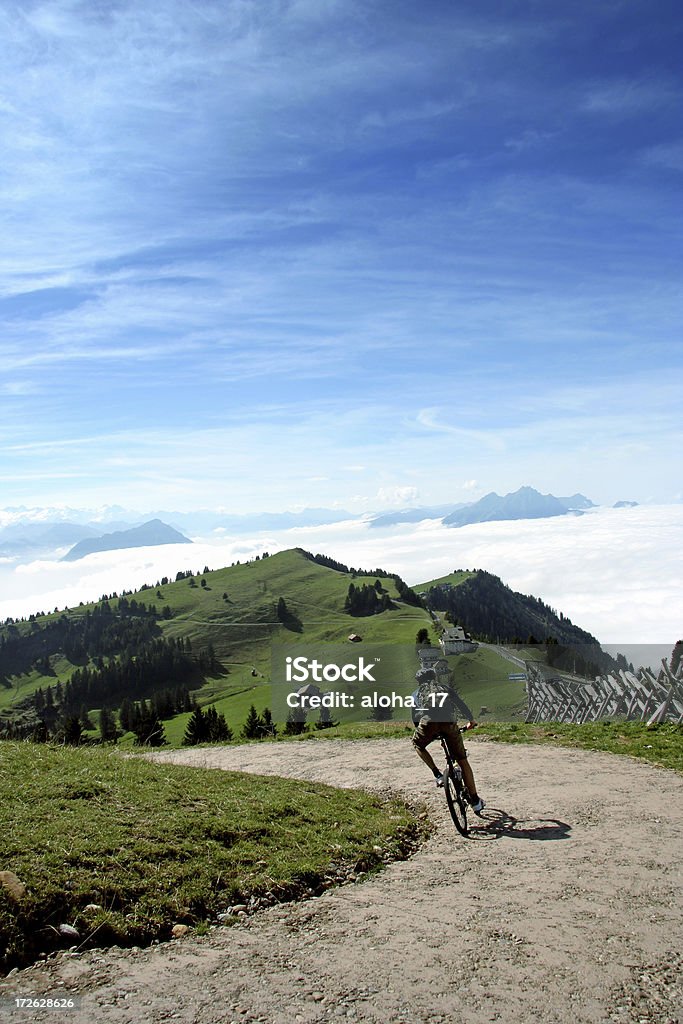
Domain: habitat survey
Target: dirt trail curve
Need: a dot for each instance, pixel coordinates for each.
(565, 905)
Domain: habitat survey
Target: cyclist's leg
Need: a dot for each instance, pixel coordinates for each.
(423, 735)
(468, 778)
(457, 751)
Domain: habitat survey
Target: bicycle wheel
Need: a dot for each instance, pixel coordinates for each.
(457, 805)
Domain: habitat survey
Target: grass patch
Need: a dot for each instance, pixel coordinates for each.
(659, 744)
(157, 844)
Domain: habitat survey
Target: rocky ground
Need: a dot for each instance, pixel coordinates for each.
(564, 905)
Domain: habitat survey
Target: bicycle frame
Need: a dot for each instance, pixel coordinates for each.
(456, 792)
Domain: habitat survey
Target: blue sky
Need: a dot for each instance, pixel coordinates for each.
(271, 254)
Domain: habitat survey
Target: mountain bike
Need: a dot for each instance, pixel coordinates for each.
(457, 795)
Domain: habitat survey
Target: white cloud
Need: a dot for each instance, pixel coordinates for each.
(397, 495)
(615, 573)
(624, 97)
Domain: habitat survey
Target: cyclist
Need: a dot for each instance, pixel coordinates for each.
(436, 708)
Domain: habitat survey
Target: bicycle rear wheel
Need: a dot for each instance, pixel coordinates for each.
(457, 805)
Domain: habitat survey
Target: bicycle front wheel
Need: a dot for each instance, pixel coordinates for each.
(457, 805)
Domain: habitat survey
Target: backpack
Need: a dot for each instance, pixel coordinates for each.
(427, 705)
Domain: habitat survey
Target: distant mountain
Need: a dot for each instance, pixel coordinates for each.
(413, 515)
(625, 504)
(27, 532)
(526, 503)
(577, 501)
(149, 534)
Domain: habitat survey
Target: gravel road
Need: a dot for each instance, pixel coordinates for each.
(565, 905)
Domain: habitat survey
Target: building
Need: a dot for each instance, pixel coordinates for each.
(456, 641)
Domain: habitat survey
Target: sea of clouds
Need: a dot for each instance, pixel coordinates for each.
(615, 572)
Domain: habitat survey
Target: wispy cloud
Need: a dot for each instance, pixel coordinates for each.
(322, 218)
(623, 97)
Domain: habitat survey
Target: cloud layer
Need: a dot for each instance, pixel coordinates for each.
(615, 572)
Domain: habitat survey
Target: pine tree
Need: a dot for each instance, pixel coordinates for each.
(325, 720)
(72, 730)
(254, 725)
(296, 722)
(211, 657)
(126, 715)
(196, 731)
(86, 720)
(149, 731)
(107, 723)
(218, 729)
(269, 725)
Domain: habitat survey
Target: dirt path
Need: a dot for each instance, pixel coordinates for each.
(566, 905)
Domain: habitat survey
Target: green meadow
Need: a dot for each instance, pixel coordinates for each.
(122, 849)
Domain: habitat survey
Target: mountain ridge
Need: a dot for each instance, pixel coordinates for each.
(525, 503)
(149, 534)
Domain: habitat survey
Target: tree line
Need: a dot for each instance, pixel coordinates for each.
(404, 591)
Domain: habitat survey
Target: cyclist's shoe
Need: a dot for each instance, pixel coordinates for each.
(477, 806)
(441, 779)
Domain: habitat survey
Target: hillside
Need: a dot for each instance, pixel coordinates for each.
(150, 534)
(487, 608)
(210, 638)
(226, 621)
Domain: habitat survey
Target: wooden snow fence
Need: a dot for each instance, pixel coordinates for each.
(643, 696)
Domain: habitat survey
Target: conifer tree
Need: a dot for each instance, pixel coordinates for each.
(269, 725)
(218, 729)
(325, 720)
(149, 731)
(71, 730)
(296, 722)
(254, 725)
(196, 731)
(107, 724)
(125, 715)
(86, 720)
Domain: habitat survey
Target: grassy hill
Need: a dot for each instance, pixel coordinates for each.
(228, 623)
(234, 613)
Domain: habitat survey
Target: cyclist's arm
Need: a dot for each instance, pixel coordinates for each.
(463, 710)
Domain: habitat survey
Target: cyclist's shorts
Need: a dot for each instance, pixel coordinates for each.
(427, 730)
